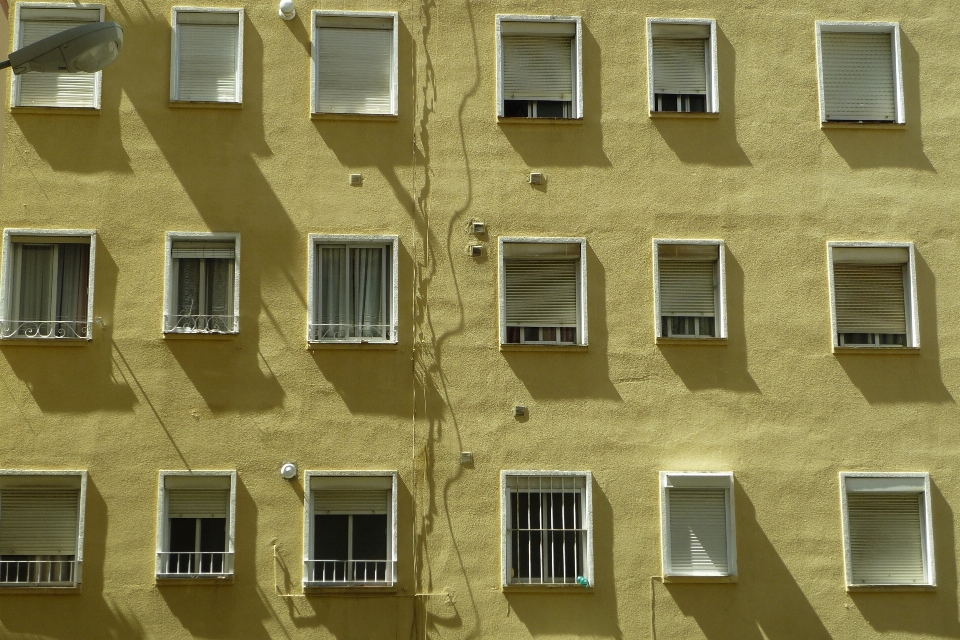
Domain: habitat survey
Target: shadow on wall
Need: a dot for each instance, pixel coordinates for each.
(578, 144)
(710, 140)
(580, 374)
(50, 372)
(572, 612)
(872, 148)
(88, 609)
(904, 377)
(766, 603)
(924, 613)
(704, 367)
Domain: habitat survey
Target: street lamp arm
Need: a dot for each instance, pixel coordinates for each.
(87, 48)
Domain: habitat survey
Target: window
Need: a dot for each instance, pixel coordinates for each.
(887, 529)
(207, 61)
(697, 532)
(350, 529)
(543, 291)
(354, 63)
(682, 65)
(47, 284)
(547, 528)
(36, 21)
(539, 67)
(690, 288)
(860, 72)
(353, 287)
(202, 283)
(196, 529)
(41, 528)
(873, 290)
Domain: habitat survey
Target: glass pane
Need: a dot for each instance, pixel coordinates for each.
(213, 538)
(667, 102)
(568, 334)
(367, 271)
(219, 275)
(334, 312)
(188, 286)
(369, 543)
(696, 103)
(72, 283)
(36, 270)
(513, 335)
(516, 109)
(183, 539)
(531, 334)
(330, 542)
(551, 109)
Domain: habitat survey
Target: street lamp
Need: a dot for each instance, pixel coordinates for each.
(88, 48)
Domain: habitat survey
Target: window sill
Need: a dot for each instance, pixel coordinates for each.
(903, 351)
(47, 342)
(568, 348)
(75, 111)
(367, 117)
(169, 580)
(199, 335)
(562, 121)
(709, 115)
(694, 342)
(839, 124)
(314, 589)
(886, 588)
(546, 588)
(315, 346)
(667, 579)
(33, 591)
(181, 104)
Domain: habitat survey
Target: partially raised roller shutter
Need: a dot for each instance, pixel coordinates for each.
(886, 545)
(687, 288)
(858, 76)
(77, 90)
(356, 501)
(39, 521)
(698, 532)
(679, 66)
(208, 54)
(537, 67)
(541, 292)
(197, 503)
(354, 68)
(869, 298)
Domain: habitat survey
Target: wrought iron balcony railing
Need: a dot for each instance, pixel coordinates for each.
(349, 332)
(45, 329)
(199, 324)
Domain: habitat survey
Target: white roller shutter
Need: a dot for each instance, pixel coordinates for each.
(354, 70)
(203, 249)
(869, 298)
(687, 288)
(679, 66)
(537, 67)
(886, 543)
(197, 503)
(541, 293)
(858, 76)
(55, 89)
(207, 57)
(351, 501)
(698, 532)
(39, 521)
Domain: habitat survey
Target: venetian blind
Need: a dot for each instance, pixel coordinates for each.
(39, 521)
(350, 501)
(886, 545)
(698, 532)
(36, 89)
(541, 292)
(687, 288)
(197, 503)
(869, 298)
(354, 68)
(208, 50)
(858, 76)
(537, 67)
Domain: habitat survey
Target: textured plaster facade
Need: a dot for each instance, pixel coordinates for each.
(772, 404)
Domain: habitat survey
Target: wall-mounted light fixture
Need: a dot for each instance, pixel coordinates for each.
(288, 11)
(288, 470)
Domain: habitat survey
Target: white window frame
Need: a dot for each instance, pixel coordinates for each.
(710, 64)
(7, 285)
(81, 518)
(721, 302)
(892, 28)
(697, 480)
(890, 482)
(394, 63)
(17, 43)
(582, 337)
(163, 530)
(308, 507)
(910, 297)
(576, 62)
(170, 281)
(175, 54)
(316, 239)
(588, 564)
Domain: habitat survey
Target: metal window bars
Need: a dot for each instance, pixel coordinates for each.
(44, 329)
(547, 536)
(194, 564)
(52, 572)
(348, 572)
(343, 331)
(196, 323)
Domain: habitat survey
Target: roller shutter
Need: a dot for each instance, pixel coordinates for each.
(698, 532)
(208, 52)
(197, 503)
(354, 70)
(858, 76)
(39, 521)
(203, 249)
(869, 298)
(679, 66)
(687, 288)
(350, 501)
(537, 67)
(541, 293)
(77, 90)
(886, 544)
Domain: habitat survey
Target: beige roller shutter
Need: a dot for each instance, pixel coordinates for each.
(197, 503)
(351, 501)
(858, 76)
(687, 288)
(208, 50)
(886, 545)
(869, 298)
(39, 521)
(698, 532)
(537, 67)
(354, 70)
(203, 249)
(55, 89)
(679, 66)
(541, 293)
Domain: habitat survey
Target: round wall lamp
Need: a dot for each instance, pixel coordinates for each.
(288, 471)
(288, 11)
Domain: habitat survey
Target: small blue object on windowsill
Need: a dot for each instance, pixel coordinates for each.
(583, 582)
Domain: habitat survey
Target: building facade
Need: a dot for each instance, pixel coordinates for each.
(483, 320)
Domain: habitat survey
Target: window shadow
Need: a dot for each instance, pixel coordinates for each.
(552, 374)
(574, 612)
(904, 377)
(703, 367)
(710, 140)
(872, 148)
(567, 145)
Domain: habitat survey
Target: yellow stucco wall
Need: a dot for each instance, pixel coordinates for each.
(773, 405)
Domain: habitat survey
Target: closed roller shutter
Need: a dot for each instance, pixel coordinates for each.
(537, 67)
(197, 503)
(869, 298)
(858, 76)
(55, 89)
(687, 288)
(886, 545)
(541, 293)
(354, 70)
(679, 66)
(351, 501)
(202, 249)
(698, 532)
(207, 69)
(39, 521)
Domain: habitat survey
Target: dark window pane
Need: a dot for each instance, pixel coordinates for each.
(667, 101)
(213, 537)
(857, 338)
(568, 334)
(708, 327)
(531, 334)
(698, 103)
(898, 339)
(550, 109)
(549, 334)
(515, 109)
(370, 537)
(183, 539)
(513, 335)
(330, 537)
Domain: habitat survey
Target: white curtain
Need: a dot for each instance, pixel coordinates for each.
(368, 292)
(36, 270)
(188, 287)
(72, 279)
(351, 292)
